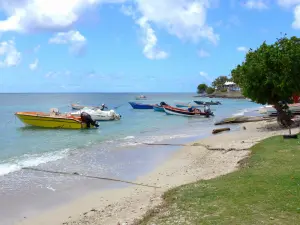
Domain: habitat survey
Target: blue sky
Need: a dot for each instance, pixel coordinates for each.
(132, 45)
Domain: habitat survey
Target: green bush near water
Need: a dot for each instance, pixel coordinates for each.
(265, 190)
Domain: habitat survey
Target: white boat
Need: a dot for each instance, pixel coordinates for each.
(269, 110)
(99, 115)
(141, 97)
(77, 106)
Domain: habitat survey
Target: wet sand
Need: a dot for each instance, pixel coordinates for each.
(189, 164)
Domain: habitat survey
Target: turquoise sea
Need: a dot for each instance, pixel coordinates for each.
(113, 150)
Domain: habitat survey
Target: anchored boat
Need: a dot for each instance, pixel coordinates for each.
(140, 105)
(182, 112)
(56, 120)
(98, 114)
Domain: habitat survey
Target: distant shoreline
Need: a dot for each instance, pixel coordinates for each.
(218, 94)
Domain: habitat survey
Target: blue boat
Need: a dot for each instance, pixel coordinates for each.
(140, 105)
(158, 108)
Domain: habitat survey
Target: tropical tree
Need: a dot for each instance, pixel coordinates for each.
(210, 90)
(202, 88)
(219, 82)
(271, 74)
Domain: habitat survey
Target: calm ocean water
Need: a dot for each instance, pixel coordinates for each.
(111, 150)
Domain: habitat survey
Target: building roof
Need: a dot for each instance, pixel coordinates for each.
(229, 83)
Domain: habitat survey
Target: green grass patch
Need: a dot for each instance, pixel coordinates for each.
(266, 190)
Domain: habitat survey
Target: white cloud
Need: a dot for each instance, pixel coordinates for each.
(205, 75)
(256, 4)
(73, 38)
(34, 65)
(242, 49)
(296, 23)
(185, 19)
(150, 41)
(9, 55)
(36, 15)
(288, 3)
(202, 53)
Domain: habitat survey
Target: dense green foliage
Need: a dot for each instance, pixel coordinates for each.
(202, 88)
(265, 190)
(271, 73)
(220, 81)
(210, 90)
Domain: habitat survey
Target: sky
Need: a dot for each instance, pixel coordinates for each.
(132, 45)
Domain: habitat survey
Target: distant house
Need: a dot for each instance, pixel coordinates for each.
(231, 86)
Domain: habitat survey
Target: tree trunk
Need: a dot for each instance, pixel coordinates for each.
(283, 118)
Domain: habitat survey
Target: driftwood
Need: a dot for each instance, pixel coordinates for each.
(215, 131)
(243, 119)
(93, 177)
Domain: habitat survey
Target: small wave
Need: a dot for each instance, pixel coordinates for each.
(128, 137)
(154, 139)
(31, 160)
(244, 111)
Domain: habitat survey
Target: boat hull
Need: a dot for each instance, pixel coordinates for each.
(181, 112)
(140, 106)
(187, 106)
(158, 109)
(99, 115)
(271, 111)
(47, 121)
(77, 107)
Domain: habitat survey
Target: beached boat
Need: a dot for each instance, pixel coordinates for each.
(98, 114)
(141, 97)
(207, 103)
(182, 112)
(140, 105)
(271, 111)
(56, 120)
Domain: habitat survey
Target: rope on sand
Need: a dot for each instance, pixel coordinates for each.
(92, 177)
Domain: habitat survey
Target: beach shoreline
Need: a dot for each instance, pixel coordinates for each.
(188, 164)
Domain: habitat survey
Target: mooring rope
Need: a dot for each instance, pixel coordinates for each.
(93, 177)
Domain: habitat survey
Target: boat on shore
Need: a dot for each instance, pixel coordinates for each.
(56, 120)
(98, 114)
(269, 110)
(183, 112)
(140, 105)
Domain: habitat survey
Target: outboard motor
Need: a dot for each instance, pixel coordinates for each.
(86, 118)
(208, 111)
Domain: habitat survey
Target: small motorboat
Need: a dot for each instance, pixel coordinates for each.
(141, 97)
(188, 105)
(140, 105)
(77, 106)
(207, 103)
(159, 108)
(56, 120)
(98, 114)
(183, 112)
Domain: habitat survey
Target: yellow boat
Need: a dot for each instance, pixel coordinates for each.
(52, 120)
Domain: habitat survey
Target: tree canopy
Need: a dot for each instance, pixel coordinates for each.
(202, 88)
(220, 81)
(271, 73)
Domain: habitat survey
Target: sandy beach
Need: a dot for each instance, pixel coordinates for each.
(205, 159)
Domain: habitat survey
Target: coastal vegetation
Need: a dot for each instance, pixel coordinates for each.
(202, 88)
(270, 74)
(265, 190)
